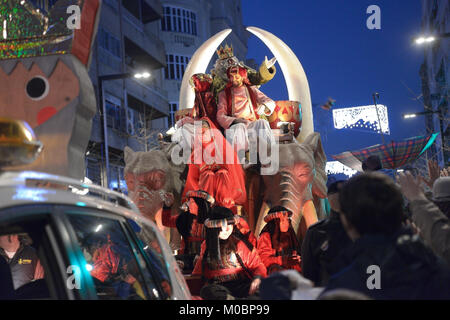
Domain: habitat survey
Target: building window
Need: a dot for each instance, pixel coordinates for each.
(110, 43)
(173, 106)
(179, 20)
(176, 65)
(113, 115)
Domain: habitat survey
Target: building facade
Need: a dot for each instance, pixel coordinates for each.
(159, 37)
(185, 25)
(434, 73)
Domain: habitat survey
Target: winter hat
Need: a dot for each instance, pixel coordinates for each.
(441, 189)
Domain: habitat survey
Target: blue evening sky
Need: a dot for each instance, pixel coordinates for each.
(346, 61)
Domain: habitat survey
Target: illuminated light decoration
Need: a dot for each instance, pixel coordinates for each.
(35, 32)
(364, 118)
(89, 267)
(335, 167)
(98, 228)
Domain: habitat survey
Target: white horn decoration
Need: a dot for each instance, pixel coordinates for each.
(294, 75)
(198, 64)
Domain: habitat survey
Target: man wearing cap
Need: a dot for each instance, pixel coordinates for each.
(324, 241)
(434, 225)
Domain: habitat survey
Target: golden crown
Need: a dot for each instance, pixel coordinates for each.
(226, 52)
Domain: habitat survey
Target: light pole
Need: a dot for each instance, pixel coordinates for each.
(143, 75)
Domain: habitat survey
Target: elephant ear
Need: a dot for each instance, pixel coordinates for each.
(319, 187)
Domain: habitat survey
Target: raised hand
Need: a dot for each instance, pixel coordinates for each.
(254, 286)
(410, 187)
(433, 173)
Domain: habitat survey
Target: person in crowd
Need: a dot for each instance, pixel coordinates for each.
(433, 224)
(324, 241)
(22, 259)
(441, 195)
(278, 245)
(288, 285)
(386, 260)
(226, 259)
(373, 163)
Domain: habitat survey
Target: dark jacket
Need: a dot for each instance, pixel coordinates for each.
(22, 265)
(408, 268)
(323, 242)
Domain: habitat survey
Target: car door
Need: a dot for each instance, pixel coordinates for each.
(108, 253)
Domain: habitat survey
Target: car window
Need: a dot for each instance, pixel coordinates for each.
(117, 270)
(22, 271)
(150, 245)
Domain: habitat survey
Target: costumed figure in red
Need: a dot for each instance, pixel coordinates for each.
(227, 259)
(189, 223)
(242, 107)
(209, 171)
(278, 246)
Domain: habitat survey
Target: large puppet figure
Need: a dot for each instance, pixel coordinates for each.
(242, 107)
(225, 182)
(226, 259)
(278, 246)
(44, 79)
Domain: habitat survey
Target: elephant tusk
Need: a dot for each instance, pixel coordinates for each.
(198, 64)
(294, 75)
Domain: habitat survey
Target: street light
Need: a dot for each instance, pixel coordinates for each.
(430, 38)
(141, 75)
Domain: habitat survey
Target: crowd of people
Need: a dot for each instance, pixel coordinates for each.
(385, 238)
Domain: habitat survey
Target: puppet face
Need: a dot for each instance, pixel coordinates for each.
(144, 190)
(29, 94)
(236, 77)
(226, 231)
(284, 224)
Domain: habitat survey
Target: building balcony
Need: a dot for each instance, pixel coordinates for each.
(145, 11)
(142, 47)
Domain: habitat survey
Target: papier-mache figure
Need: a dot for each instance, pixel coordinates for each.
(278, 245)
(242, 107)
(226, 259)
(225, 182)
(44, 79)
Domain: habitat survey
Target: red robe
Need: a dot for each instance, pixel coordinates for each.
(268, 254)
(225, 182)
(251, 260)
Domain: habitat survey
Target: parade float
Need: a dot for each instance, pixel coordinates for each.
(298, 182)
